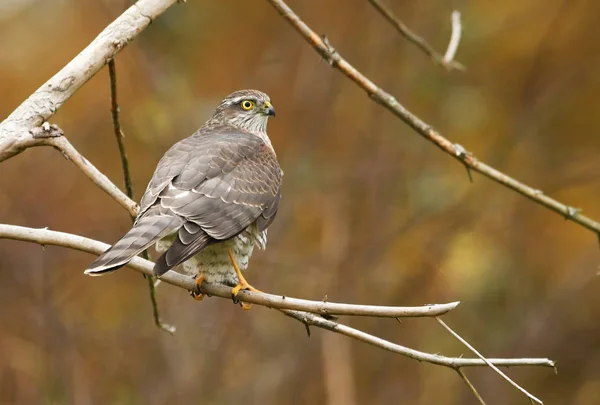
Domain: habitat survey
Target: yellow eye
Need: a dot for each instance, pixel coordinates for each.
(247, 104)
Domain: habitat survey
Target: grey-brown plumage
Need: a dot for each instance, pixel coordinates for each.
(213, 192)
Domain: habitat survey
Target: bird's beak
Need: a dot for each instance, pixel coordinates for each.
(268, 109)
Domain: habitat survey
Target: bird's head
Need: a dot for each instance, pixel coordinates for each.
(245, 109)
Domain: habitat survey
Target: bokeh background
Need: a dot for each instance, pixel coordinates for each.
(371, 213)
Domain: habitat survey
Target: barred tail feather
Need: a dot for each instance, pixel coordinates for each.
(145, 232)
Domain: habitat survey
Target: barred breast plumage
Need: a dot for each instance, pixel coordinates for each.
(214, 263)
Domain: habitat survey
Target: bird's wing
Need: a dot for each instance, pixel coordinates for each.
(207, 187)
(147, 230)
(230, 180)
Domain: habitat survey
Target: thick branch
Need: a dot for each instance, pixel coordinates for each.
(15, 135)
(289, 306)
(322, 46)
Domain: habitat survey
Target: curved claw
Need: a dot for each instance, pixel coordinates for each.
(196, 293)
(244, 305)
(241, 285)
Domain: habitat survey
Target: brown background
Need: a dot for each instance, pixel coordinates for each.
(371, 212)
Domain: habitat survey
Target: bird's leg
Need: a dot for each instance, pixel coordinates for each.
(242, 283)
(196, 294)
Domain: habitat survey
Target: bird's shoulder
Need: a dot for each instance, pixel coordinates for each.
(218, 151)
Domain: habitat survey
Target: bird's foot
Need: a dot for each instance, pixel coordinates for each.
(241, 285)
(196, 292)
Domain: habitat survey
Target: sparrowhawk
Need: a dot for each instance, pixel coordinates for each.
(211, 198)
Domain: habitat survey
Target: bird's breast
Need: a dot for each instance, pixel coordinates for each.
(214, 262)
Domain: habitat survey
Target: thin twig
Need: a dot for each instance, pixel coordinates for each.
(471, 386)
(155, 313)
(425, 130)
(451, 362)
(446, 61)
(288, 305)
(454, 38)
(114, 110)
(488, 362)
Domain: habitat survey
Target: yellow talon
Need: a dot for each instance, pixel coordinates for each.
(196, 294)
(242, 283)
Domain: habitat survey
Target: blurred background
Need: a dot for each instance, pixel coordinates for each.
(371, 213)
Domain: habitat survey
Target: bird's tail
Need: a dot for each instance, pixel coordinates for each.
(144, 233)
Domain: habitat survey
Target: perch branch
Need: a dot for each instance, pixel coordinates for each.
(114, 112)
(290, 306)
(47, 237)
(447, 60)
(466, 158)
(15, 131)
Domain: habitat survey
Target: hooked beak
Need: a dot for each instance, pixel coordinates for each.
(268, 109)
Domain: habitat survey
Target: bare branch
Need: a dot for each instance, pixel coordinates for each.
(96, 176)
(471, 386)
(114, 110)
(425, 130)
(290, 306)
(487, 361)
(155, 312)
(15, 135)
(48, 237)
(447, 60)
(454, 38)
(451, 362)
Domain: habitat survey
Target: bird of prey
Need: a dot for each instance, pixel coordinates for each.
(210, 200)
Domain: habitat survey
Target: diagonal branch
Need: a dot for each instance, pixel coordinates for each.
(492, 366)
(322, 46)
(15, 135)
(447, 60)
(51, 135)
(470, 386)
(289, 306)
